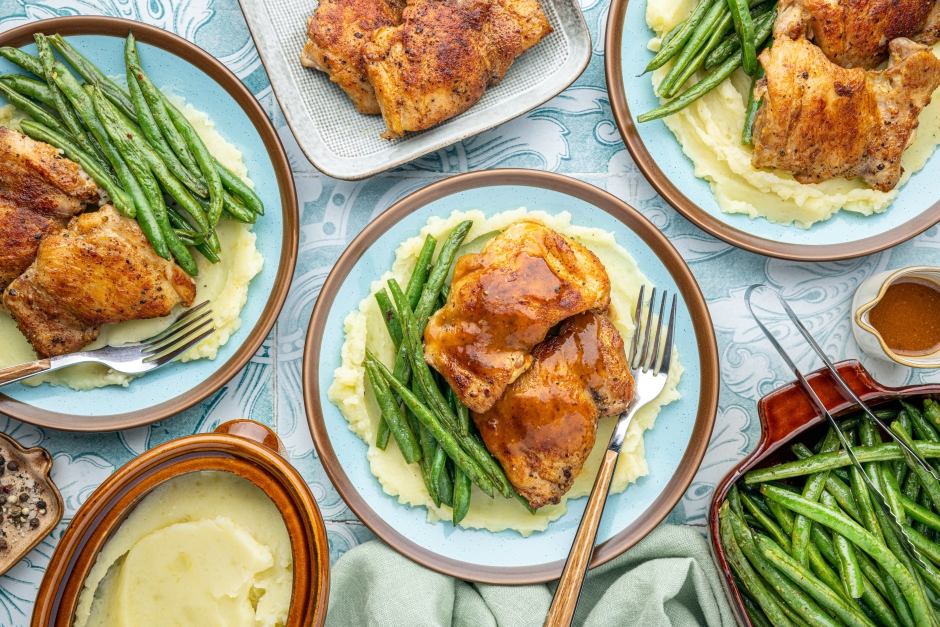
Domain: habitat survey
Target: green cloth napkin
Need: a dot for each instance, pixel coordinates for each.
(668, 578)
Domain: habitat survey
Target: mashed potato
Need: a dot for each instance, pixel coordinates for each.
(225, 284)
(364, 328)
(709, 131)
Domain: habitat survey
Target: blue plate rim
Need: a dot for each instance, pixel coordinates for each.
(613, 71)
(667, 254)
(196, 56)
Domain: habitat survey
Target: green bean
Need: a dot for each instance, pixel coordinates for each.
(87, 70)
(690, 57)
(151, 130)
(419, 276)
(932, 410)
(834, 485)
(463, 414)
(753, 104)
(461, 495)
(428, 445)
(122, 138)
(922, 427)
(389, 316)
(870, 595)
(24, 60)
(708, 83)
(178, 221)
(849, 570)
(733, 43)
(189, 237)
(446, 484)
(444, 438)
(772, 528)
(815, 588)
(923, 544)
(240, 189)
(920, 514)
(792, 595)
(865, 508)
(911, 487)
(752, 581)
(29, 87)
(61, 104)
(437, 469)
(203, 159)
(812, 489)
(744, 26)
(862, 539)
(677, 43)
(405, 439)
(754, 613)
(34, 110)
(927, 482)
(83, 104)
(121, 201)
(828, 461)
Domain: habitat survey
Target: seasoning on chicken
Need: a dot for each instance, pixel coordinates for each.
(40, 190)
(444, 55)
(544, 427)
(101, 270)
(856, 33)
(337, 32)
(503, 301)
(821, 121)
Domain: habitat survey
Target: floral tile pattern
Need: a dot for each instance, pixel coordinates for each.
(574, 134)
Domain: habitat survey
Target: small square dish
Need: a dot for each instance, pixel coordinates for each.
(345, 144)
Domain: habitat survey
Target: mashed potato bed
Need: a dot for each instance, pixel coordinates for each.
(709, 131)
(365, 328)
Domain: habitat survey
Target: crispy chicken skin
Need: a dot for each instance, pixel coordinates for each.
(503, 301)
(337, 32)
(101, 270)
(444, 55)
(820, 121)
(855, 33)
(544, 426)
(40, 190)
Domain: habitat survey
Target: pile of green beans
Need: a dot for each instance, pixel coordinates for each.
(807, 545)
(134, 143)
(714, 30)
(433, 429)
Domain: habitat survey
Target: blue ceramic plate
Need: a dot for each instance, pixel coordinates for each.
(674, 448)
(660, 157)
(190, 72)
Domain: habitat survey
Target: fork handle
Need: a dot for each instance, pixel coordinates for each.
(22, 371)
(565, 601)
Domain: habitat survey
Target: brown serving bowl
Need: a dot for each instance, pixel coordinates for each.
(244, 447)
(787, 416)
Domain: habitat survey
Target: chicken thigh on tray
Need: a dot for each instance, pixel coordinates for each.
(503, 301)
(545, 425)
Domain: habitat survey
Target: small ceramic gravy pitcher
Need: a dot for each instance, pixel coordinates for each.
(869, 294)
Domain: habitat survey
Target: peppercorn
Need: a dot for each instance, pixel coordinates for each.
(23, 497)
(13, 466)
(33, 522)
(41, 505)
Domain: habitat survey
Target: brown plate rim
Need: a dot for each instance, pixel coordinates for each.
(691, 293)
(196, 56)
(699, 217)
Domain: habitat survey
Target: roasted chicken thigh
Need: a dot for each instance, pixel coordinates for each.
(444, 55)
(503, 301)
(101, 270)
(544, 427)
(40, 190)
(821, 121)
(856, 33)
(337, 33)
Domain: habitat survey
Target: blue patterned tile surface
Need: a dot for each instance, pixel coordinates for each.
(573, 134)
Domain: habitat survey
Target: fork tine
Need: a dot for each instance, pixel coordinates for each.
(670, 335)
(659, 327)
(646, 335)
(159, 361)
(180, 319)
(170, 345)
(637, 319)
(175, 335)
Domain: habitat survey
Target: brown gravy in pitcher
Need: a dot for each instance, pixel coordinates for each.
(908, 317)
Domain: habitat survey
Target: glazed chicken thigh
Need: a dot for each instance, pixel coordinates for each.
(40, 190)
(821, 121)
(101, 270)
(545, 425)
(856, 33)
(503, 301)
(444, 55)
(337, 33)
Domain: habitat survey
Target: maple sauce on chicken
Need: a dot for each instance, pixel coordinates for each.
(908, 317)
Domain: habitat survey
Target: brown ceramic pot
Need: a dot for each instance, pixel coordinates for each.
(787, 416)
(244, 447)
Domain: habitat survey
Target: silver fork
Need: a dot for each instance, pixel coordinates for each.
(187, 330)
(649, 374)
